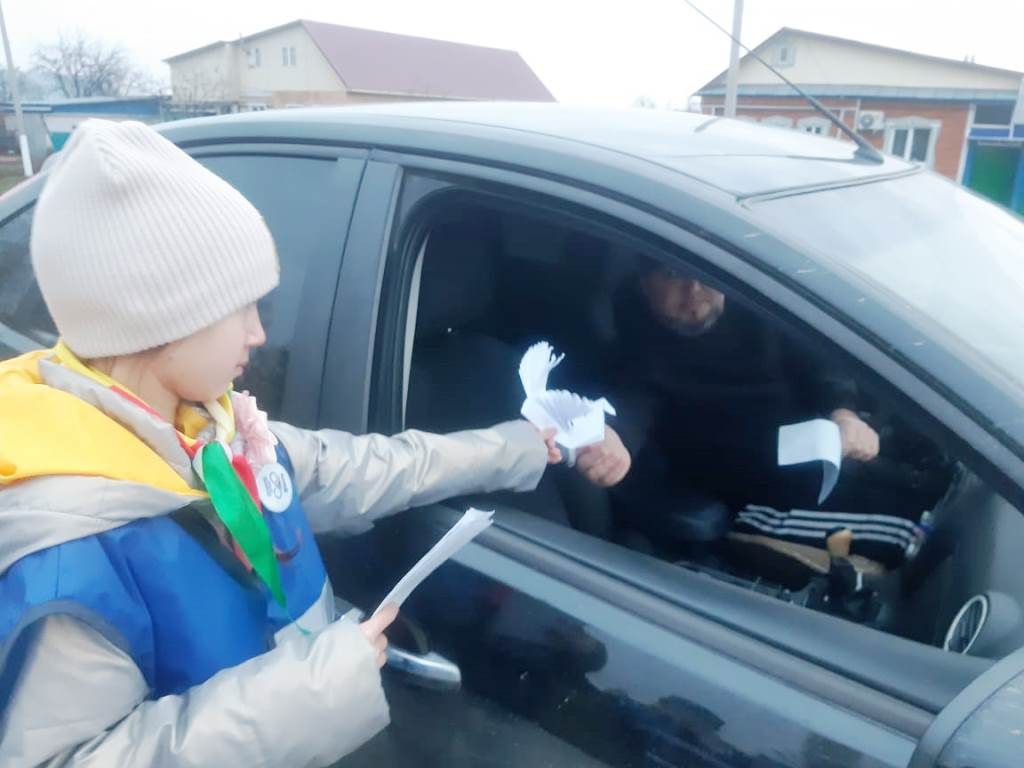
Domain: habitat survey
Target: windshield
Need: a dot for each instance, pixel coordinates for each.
(950, 263)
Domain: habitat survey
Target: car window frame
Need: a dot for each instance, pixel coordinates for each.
(302, 408)
(793, 306)
(13, 203)
(386, 414)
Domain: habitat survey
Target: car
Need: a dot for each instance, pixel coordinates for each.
(424, 246)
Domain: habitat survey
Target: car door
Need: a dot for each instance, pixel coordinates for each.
(306, 199)
(981, 728)
(25, 323)
(570, 649)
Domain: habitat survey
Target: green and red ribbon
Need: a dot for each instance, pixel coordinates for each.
(232, 489)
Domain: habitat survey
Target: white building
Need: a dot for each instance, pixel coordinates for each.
(305, 63)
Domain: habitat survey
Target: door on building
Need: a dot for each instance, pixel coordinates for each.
(993, 170)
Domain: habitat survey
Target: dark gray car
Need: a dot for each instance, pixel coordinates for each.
(423, 246)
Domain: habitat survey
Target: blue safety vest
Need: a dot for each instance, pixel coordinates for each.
(167, 592)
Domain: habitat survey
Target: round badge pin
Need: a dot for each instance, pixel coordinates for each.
(275, 487)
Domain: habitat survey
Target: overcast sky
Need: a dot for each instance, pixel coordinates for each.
(585, 51)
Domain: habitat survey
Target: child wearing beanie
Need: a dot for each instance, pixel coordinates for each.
(162, 599)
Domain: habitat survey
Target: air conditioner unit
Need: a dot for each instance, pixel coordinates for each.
(871, 120)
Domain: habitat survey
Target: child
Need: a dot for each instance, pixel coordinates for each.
(162, 600)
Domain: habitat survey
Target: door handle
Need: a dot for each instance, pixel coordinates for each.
(430, 670)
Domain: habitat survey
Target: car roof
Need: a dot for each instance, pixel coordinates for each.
(736, 156)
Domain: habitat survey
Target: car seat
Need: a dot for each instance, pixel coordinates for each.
(463, 375)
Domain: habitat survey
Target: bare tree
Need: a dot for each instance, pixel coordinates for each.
(34, 86)
(199, 91)
(645, 102)
(5, 84)
(81, 66)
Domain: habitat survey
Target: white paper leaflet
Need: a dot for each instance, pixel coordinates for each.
(815, 440)
(459, 535)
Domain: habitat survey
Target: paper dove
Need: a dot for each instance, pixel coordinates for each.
(579, 422)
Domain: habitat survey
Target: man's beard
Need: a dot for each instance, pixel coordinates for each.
(690, 328)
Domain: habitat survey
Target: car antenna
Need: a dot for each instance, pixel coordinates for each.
(864, 149)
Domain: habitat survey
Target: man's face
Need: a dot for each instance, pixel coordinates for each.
(683, 304)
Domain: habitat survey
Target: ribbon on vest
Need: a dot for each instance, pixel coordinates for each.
(238, 510)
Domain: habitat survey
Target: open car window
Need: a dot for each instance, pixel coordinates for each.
(700, 412)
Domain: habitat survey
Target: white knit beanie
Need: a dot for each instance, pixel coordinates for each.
(135, 244)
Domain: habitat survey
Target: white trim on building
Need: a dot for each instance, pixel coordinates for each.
(902, 138)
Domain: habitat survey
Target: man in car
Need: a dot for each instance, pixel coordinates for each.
(704, 386)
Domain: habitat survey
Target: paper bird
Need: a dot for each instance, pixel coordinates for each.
(579, 422)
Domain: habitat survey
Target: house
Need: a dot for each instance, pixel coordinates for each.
(63, 115)
(963, 119)
(306, 63)
(49, 123)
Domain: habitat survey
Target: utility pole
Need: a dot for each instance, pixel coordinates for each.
(734, 60)
(12, 77)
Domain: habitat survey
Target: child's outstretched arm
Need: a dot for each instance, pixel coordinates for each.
(81, 700)
(346, 481)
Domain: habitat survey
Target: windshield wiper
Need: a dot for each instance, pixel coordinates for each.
(864, 149)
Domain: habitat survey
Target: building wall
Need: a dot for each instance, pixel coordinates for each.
(61, 124)
(952, 118)
(383, 98)
(311, 72)
(228, 74)
(211, 75)
(820, 61)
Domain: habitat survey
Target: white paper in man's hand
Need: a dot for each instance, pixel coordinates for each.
(459, 535)
(815, 440)
(578, 422)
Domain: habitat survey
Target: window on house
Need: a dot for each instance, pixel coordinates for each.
(913, 139)
(816, 125)
(256, 57)
(993, 114)
(785, 56)
(899, 141)
(919, 144)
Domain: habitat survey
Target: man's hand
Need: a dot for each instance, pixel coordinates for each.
(605, 463)
(373, 630)
(860, 442)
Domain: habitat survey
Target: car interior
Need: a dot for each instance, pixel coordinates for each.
(492, 276)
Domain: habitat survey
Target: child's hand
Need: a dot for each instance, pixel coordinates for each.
(548, 436)
(373, 630)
